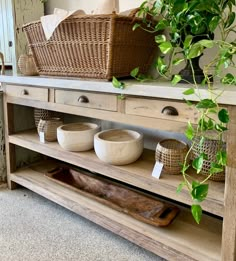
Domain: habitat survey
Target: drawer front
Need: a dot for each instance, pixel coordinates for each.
(87, 99)
(32, 93)
(162, 109)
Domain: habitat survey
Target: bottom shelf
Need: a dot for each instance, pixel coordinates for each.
(182, 240)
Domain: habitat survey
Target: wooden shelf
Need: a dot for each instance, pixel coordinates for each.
(183, 238)
(137, 174)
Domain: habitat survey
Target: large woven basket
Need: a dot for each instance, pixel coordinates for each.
(91, 46)
(171, 153)
(210, 146)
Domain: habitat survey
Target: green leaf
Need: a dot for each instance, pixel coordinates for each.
(229, 79)
(180, 187)
(214, 23)
(221, 157)
(214, 111)
(117, 84)
(195, 51)
(202, 140)
(197, 213)
(220, 128)
(189, 91)
(189, 133)
(223, 115)
(160, 38)
(210, 124)
(165, 47)
(134, 72)
(230, 20)
(178, 61)
(199, 193)
(177, 78)
(163, 24)
(206, 43)
(162, 67)
(198, 163)
(195, 184)
(203, 124)
(136, 26)
(206, 104)
(188, 41)
(215, 168)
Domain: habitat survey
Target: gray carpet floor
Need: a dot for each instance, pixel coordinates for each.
(34, 228)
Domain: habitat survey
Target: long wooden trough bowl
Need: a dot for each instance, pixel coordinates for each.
(117, 196)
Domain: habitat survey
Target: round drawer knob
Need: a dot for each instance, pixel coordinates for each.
(24, 92)
(169, 110)
(83, 99)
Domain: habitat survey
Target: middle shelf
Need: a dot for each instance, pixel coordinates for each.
(137, 174)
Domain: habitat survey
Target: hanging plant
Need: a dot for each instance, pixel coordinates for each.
(183, 31)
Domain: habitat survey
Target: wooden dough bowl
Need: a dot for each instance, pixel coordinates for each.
(117, 196)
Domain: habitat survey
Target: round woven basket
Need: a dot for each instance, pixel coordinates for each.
(210, 148)
(171, 153)
(49, 128)
(44, 115)
(27, 65)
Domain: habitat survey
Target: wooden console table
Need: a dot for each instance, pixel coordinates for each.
(213, 239)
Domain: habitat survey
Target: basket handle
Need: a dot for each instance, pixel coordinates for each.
(3, 65)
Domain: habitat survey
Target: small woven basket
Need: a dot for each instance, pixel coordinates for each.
(44, 115)
(49, 128)
(210, 148)
(27, 65)
(171, 153)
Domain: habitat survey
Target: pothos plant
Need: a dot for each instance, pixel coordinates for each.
(184, 30)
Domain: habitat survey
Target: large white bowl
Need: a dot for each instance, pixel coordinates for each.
(77, 136)
(118, 146)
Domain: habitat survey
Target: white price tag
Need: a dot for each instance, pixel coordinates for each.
(42, 137)
(156, 173)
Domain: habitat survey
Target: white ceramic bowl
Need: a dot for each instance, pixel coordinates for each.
(77, 136)
(118, 146)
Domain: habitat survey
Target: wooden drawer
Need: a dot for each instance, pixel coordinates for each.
(160, 108)
(32, 93)
(87, 99)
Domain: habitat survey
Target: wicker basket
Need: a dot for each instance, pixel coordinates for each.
(44, 115)
(171, 153)
(209, 147)
(26, 65)
(49, 128)
(91, 46)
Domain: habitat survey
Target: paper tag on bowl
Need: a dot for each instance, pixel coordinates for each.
(156, 173)
(42, 137)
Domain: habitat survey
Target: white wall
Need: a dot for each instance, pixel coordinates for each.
(87, 5)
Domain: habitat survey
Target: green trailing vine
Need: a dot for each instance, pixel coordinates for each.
(183, 31)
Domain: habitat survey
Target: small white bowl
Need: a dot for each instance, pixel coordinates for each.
(77, 136)
(118, 146)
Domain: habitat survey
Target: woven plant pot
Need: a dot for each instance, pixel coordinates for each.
(171, 153)
(49, 128)
(210, 148)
